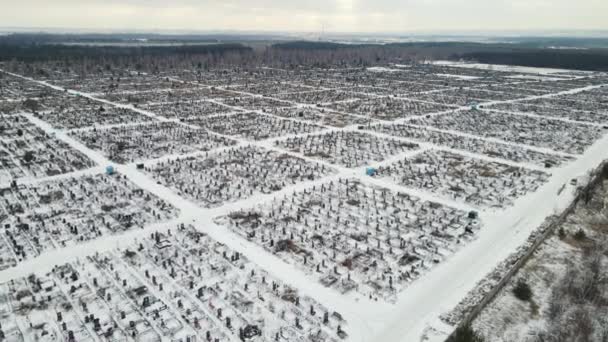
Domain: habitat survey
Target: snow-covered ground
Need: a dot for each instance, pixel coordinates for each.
(559, 265)
(412, 310)
(500, 67)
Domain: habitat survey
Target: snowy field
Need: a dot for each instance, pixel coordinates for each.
(277, 205)
(568, 295)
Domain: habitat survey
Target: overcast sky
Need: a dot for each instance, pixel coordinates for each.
(308, 15)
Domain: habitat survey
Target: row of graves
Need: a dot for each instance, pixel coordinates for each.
(505, 92)
(190, 109)
(254, 103)
(474, 181)
(492, 149)
(557, 135)
(390, 108)
(254, 126)
(27, 104)
(27, 151)
(406, 82)
(134, 143)
(33, 308)
(116, 81)
(463, 97)
(59, 213)
(234, 77)
(356, 238)
(211, 180)
(596, 98)
(580, 101)
(67, 111)
(179, 285)
(323, 97)
(587, 106)
(346, 148)
(15, 89)
(558, 112)
(322, 116)
(271, 88)
(187, 92)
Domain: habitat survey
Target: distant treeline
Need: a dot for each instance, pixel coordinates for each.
(46, 52)
(501, 53)
(310, 45)
(593, 59)
(190, 50)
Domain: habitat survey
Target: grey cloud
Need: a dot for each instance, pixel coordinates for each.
(310, 15)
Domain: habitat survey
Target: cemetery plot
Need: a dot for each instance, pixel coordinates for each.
(228, 289)
(233, 174)
(187, 109)
(601, 94)
(576, 102)
(143, 84)
(15, 88)
(429, 69)
(321, 116)
(447, 98)
(484, 95)
(57, 101)
(321, 83)
(596, 79)
(322, 97)
(199, 92)
(40, 156)
(44, 101)
(255, 103)
(270, 88)
(379, 89)
(18, 127)
(488, 148)
(10, 107)
(551, 87)
(95, 114)
(116, 83)
(160, 96)
(355, 237)
(408, 88)
(126, 144)
(178, 285)
(109, 306)
(138, 98)
(551, 134)
(253, 126)
(389, 108)
(35, 309)
(300, 113)
(519, 91)
(592, 100)
(8, 258)
(10, 167)
(461, 97)
(60, 213)
(26, 150)
(481, 183)
(350, 149)
(556, 112)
